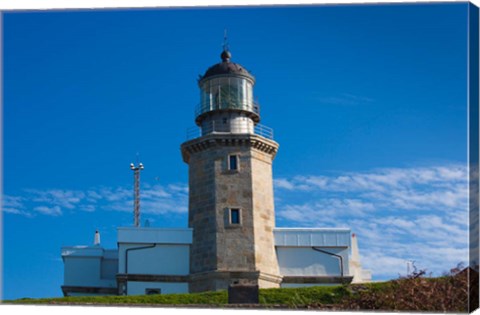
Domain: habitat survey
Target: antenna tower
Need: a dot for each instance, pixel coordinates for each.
(136, 192)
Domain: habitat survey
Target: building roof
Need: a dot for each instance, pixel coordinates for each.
(150, 235)
(290, 237)
(226, 67)
(312, 237)
(89, 251)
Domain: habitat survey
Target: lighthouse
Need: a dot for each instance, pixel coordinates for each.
(231, 205)
(231, 241)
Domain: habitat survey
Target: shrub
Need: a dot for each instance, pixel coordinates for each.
(416, 292)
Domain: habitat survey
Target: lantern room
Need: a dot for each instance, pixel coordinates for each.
(226, 97)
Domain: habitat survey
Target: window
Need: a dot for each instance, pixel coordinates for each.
(153, 291)
(233, 162)
(234, 216)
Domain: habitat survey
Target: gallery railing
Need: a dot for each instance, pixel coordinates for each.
(219, 127)
(246, 106)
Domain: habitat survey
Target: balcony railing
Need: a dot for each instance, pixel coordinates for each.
(207, 107)
(215, 127)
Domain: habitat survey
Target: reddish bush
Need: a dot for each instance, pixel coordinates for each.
(416, 292)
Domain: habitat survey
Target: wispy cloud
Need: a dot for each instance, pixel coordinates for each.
(14, 205)
(411, 189)
(155, 199)
(63, 198)
(52, 211)
(345, 99)
(398, 213)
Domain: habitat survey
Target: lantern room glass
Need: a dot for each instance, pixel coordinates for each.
(226, 93)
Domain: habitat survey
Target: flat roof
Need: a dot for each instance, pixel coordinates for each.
(312, 237)
(89, 251)
(298, 237)
(311, 229)
(149, 235)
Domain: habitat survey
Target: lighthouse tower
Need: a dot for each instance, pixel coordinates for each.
(231, 208)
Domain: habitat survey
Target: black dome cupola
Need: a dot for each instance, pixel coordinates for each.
(226, 67)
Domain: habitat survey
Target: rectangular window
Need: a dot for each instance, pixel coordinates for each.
(234, 216)
(233, 162)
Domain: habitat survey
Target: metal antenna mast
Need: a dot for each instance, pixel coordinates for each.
(136, 192)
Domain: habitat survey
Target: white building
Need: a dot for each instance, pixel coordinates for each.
(156, 260)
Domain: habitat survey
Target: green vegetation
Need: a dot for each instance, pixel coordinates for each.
(288, 297)
(416, 292)
(302, 297)
(207, 298)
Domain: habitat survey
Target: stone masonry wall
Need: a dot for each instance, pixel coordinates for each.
(264, 212)
(201, 212)
(219, 246)
(235, 243)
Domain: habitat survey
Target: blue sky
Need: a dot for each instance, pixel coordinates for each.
(368, 104)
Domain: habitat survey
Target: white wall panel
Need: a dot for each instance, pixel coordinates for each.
(82, 271)
(304, 261)
(158, 260)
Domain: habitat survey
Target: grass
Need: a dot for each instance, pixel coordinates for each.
(207, 298)
(299, 297)
(450, 293)
(288, 297)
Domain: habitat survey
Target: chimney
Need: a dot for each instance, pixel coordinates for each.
(96, 241)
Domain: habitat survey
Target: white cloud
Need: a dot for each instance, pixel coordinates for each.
(345, 99)
(14, 205)
(295, 184)
(383, 265)
(436, 188)
(155, 192)
(397, 213)
(87, 208)
(17, 211)
(325, 211)
(180, 188)
(52, 211)
(115, 194)
(12, 201)
(93, 195)
(298, 213)
(63, 198)
(283, 183)
(395, 221)
(154, 199)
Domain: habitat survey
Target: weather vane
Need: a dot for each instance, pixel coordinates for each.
(225, 40)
